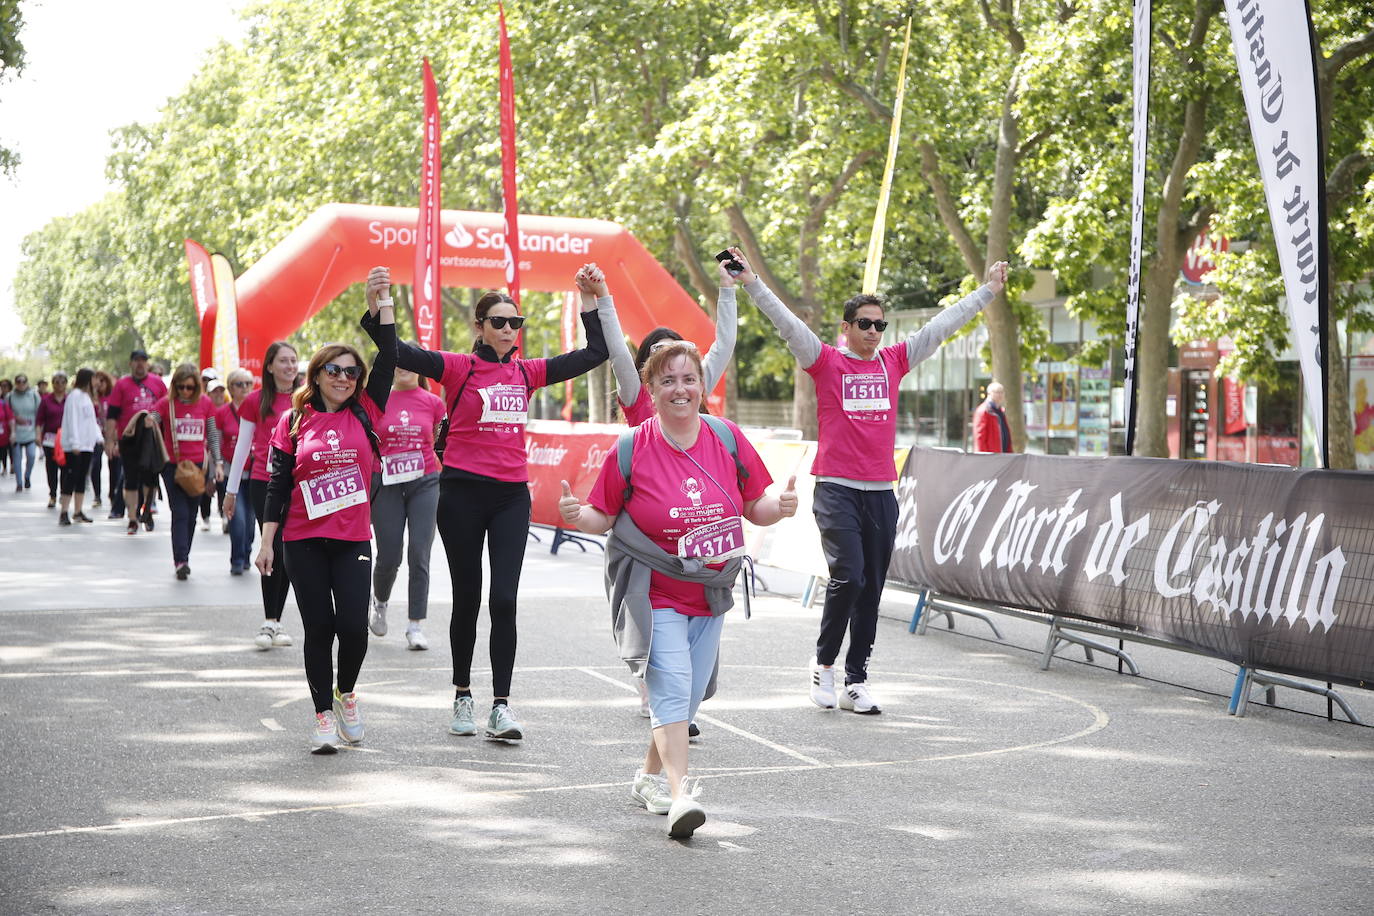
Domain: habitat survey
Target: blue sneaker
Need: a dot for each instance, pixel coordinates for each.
(503, 724)
(462, 723)
(348, 716)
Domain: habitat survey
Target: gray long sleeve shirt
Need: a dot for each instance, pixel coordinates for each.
(713, 364)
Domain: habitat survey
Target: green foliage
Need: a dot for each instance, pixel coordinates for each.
(11, 64)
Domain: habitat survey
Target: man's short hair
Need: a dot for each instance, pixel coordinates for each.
(851, 308)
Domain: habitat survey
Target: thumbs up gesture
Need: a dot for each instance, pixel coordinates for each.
(568, 506)
(787, 500)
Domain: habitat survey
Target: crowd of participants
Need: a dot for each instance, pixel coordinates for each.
(320, 462)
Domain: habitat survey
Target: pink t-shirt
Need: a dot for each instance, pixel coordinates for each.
(856, 409)
(486, 434)
(131, 396)
(641, 410)
(685, 511)
(333, 474)
(190, 429)
(228, 423)
(262, 431)
(407, 434)
(6, 415)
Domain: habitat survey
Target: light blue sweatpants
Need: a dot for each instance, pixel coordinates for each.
(681, 659)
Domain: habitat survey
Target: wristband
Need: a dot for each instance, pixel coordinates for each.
(385, 303)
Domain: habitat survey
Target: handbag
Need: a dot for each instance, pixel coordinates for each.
(189, 475)
(58, 454)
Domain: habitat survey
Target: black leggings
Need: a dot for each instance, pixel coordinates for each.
(53, 470)
(75, 473)
(332, 579)
(471, 511)
(277, 586)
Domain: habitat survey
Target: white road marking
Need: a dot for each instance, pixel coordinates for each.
(272, 725)
(797, 755)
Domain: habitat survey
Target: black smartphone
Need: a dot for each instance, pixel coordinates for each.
(732, 267)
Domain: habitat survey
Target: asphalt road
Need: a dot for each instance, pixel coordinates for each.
(155, 762)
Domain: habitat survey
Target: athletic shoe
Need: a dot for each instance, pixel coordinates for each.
(205, 524)
(52, 501)
(503, 725)
(82, 517)
(693, 730)
(822, 685)
(183, 572)
(264, 638)
(95, 504)
(376, 620)
(650, 791)
(236, 570)
(856, 698)
(643, 698)
(148, 521)
(224, 526)
(114, 515)
(462, 723)
(280, 638)
(324, 739)
(349, 716)
(133, 527)
(685, 815)
(63, 519)
(415, 638)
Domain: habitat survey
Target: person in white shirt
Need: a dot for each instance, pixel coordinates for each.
(80, 436)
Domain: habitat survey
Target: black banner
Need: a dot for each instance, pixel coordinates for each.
(1266, 567)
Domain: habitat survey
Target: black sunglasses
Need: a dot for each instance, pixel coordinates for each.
(866, 323)
(189, 386)
(334, 370)
(241, 384)
(500, 321)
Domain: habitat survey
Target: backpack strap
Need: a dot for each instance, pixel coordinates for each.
(727, 435)
(624, 453)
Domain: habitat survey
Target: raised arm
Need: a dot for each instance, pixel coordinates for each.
(800, 339)
(379, 305)
(591, 286)
(570, 365)
(405, 355)
(923, 342)
(717, 359)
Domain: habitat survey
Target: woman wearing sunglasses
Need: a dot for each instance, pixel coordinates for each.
(854, 502)
(190, 434)
(484, 485)
(258, 416)
(324, 453)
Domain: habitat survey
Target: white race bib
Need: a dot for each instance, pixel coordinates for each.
(335, 490)
(189, 429)
(865, 393)
(505, 404)
(402, 466)
(722, 540)
(49, 440)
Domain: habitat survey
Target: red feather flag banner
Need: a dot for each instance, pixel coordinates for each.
(508, 163)
(428, 289)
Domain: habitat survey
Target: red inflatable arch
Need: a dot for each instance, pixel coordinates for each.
(339, 243)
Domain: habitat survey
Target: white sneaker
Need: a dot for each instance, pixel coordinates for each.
(376, 619)
(822, 685)
(324, 739)
(650, 790)
(685, 815)
(856, 698)
(348, 716)
(205, 524)
(264, 638)
(415, 637)
(643, 698)
(280, 638)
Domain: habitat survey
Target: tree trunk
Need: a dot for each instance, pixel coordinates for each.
(1340, 429)
(1004, 332)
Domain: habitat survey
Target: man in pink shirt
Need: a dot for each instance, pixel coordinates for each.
(855, 504)
(139, 390)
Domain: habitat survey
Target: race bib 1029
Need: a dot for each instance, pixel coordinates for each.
(505, 404)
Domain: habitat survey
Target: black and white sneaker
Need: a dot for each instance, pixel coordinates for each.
(822, 685)
(856, 698)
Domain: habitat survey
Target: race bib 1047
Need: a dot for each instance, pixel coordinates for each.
(332, 491)
(402, 466)
(865, 393)
(505, 404)
(722, 540)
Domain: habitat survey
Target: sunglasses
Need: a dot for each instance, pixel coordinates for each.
(500, 321)
(189, 386)
(866, 323)
(659, 345)
(334, 370)
(241, 384)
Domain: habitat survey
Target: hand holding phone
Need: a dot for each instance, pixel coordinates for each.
(732, 266)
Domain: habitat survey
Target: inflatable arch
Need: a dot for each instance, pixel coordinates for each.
(339, 243)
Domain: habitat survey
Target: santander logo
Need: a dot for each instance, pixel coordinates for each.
(458, 236)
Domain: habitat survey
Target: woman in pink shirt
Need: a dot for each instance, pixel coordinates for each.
(324, 454)
(190, 433)
(484, 494)
(258, 417)
(408, 500)
(678, 523)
